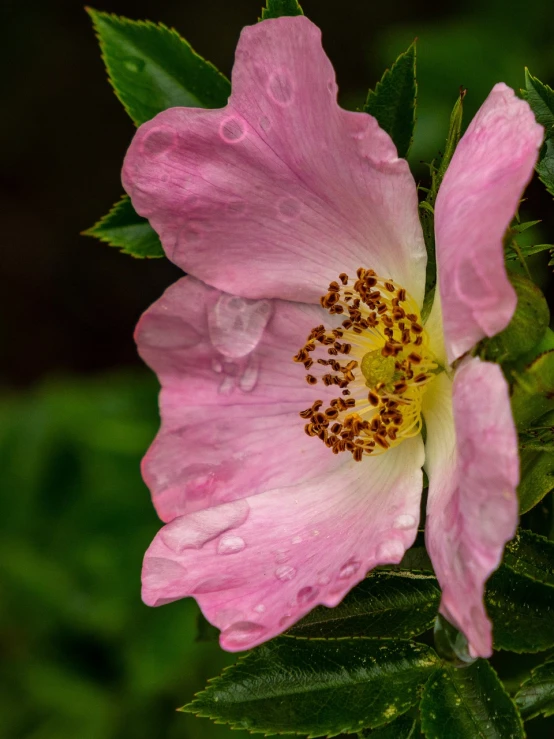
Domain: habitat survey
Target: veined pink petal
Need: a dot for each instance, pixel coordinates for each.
(282, 190)
(472, 511)
(476, 202)
(257, 565)
(231, 397)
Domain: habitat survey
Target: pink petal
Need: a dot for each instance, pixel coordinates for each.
(476, 202)
(281, 191)
(257, 565)
(472, 510)
(231, 397)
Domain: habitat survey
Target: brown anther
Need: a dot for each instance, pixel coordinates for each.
(336, 427)
(311, 380)
(360, 272)
(418, 341)
(387, 320)
(308, 362)
(334, 287)
(358, 454)
(308, 413)
(309, 429)
(332, 351)
(406, 336)
(411, 317)
(382, 441)
(416, 328)
(382, 309)
(389, 286)
(346, 392)
(373, 398)
(331, 413)
(343, 277)
(415, 358)
(400, 387)
(420, 378)
(401, 294)
(398, 314)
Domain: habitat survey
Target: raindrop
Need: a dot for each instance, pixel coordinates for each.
(226, 386)
(249, 378)
(260, 608)
(390, 551)
(284, 573)
(217, 583)
(134, 64)
(289, 207)
(230, 544)
(242, 633)
(306, 595)
(297, 540)
(349, 568)
(198, 528)
(280, 88)
(232, 130)
(236, 325)
(217, 366)
(281, 556)
(404, 521)
(157, 141)
(323, 580)
(265, 124)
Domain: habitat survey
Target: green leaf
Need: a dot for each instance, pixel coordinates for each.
(527, 326)
(385, 604)
(124, 228)
(404, 727)
(521, 610)
(393, 102)
(471, 702)
(528, 251)
(521, 227)
(536, 694)
(277, 8)
(533, 391)
(537, 467)
(427, 211)
(318, 687)
(531, 555)
(152, 68)
(541, 99)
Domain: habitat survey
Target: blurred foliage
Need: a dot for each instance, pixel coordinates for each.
(82, 656)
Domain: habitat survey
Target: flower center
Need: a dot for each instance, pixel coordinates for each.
(388, 368)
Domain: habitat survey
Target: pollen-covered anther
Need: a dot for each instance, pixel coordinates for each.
(379, 360)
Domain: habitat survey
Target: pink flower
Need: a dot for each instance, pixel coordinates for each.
(264, 204)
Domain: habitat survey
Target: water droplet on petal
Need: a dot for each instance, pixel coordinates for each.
(306, 595)
(332, 87)
(217, 366)
(230, 544)
(226, 386)
(158, 572)
(265, 124)
(281, 556)
(404, 521)
(349, 568)
(280, 88)
(249, 377)
(217, 583)
(289, 208)
(390, 551)
(236, 325)
(260, 608)
(196, 529)
(297, 540)
(323, 580)
(232, 130)
(158, 140)
(286, 572)
(242, 633)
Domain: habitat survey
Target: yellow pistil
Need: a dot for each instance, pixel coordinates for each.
(388, 367)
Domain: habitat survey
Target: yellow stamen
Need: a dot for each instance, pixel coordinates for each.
(380, 386)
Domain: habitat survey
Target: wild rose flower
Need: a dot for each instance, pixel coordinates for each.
(281, 485)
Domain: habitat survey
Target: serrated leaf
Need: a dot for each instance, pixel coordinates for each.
(537, 469)
(533, 391)
(124, 228)
(536, 694)
(393, 102)
(152, 68)
(531, 555)
(404, 727)
(318, 687)
(528, 250)
(278, 8)
(522, 611)
(385, 604)
(471, 702)
(541, 99)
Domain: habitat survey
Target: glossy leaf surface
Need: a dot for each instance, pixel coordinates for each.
(318, 687)
(385, 604)
(468, 703)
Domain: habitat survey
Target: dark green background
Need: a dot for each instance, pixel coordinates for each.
(81, 656)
